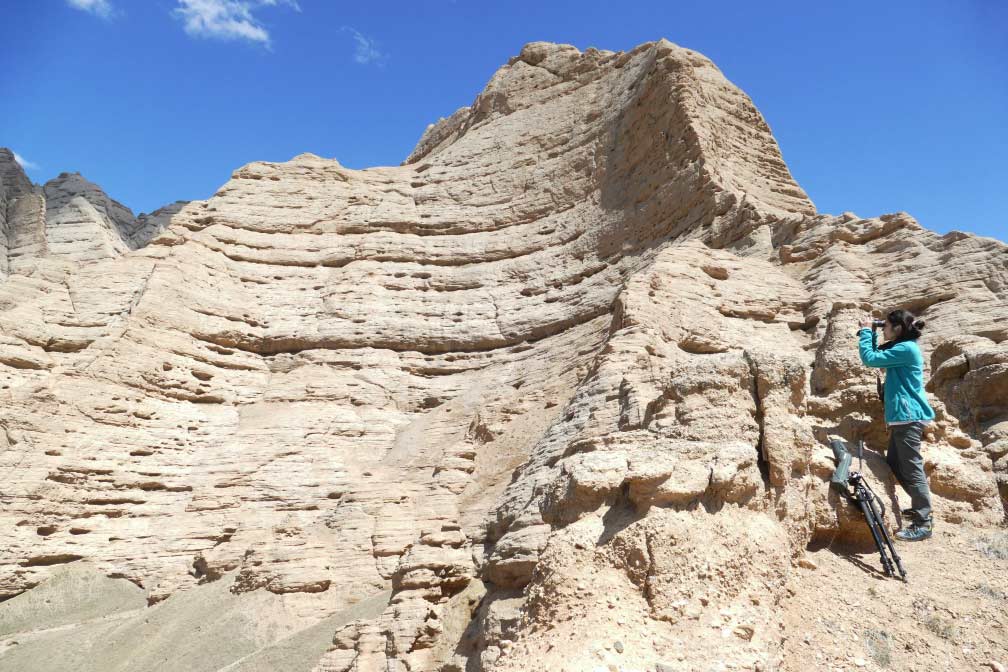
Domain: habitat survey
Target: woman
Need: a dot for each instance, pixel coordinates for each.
(906, 410)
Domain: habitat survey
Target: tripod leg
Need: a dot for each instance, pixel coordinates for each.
(873, 526)
(889, 544)
(895, 555)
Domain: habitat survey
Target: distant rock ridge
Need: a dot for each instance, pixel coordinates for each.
(571, 369)
(68, 218)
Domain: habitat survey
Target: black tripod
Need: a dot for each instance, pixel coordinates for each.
(853, 486)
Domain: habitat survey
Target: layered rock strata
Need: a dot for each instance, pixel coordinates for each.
(68, 218)
(586, 345)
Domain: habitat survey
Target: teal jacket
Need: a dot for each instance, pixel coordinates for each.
(905, 400)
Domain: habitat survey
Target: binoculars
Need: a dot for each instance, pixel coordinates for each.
(877, 324)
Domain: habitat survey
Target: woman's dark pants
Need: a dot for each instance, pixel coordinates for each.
(905, 460)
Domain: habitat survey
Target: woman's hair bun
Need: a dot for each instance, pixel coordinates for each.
(910, 326)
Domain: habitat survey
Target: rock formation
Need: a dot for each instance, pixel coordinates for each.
(585, 344)
(68, 218)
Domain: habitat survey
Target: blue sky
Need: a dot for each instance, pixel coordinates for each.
(877, 106)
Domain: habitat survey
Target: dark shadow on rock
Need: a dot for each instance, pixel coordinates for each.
(855, 560)
(850, 552)
(620, 516)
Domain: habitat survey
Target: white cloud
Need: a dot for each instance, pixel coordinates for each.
(228, 19)
(25, 163)
(367, 50)
(273, 3)
(100, 8)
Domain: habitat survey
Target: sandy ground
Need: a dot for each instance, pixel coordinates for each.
(951, 614)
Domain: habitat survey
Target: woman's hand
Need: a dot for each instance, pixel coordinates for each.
(866, 322)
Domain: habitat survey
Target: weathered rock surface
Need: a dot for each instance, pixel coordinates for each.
(587, 343)
(79, 619)
(68, 218)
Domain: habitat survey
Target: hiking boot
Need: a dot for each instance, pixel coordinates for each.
(916, 532)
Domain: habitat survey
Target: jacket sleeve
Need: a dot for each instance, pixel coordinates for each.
(881, 359)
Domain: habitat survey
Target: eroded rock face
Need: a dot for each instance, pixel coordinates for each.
(69, 218)
(587, 343)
